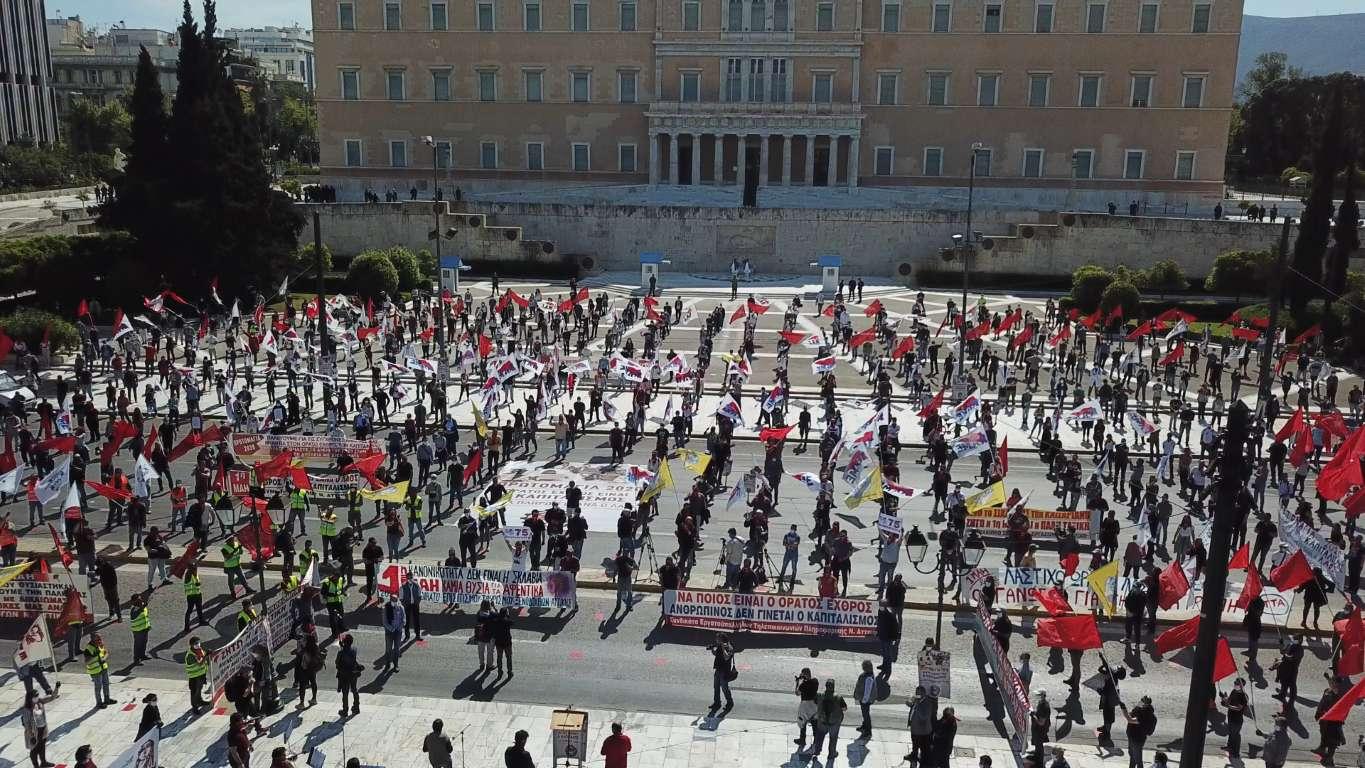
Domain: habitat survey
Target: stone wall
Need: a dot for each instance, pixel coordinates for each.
(872, 242)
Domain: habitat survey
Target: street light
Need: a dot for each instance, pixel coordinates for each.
(436, 205)
(964, 250)
(917, 546)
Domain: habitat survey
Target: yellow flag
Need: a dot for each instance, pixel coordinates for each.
(696, 461)
(492, 509)
(663, 480)
(870, 489)
(994, 496)
(10, 573)
(393, 493)
(480, 426)
(1099, 584)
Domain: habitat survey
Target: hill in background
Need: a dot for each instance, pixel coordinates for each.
(1316, 44)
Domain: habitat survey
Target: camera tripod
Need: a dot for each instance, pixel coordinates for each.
(647, 544)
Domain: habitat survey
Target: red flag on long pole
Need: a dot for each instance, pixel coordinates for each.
(1292, 572)
(1182, 635)
(62, 551)
(1076, 633)
(1174, 585)
(1224, 664)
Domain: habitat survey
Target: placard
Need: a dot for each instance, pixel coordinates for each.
(935, 671)
(471, 586)
(516, 533)
(890, 524)
(770, 612)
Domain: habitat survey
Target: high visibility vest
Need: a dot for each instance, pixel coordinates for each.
(298, 499)
(192, 585)
(245, 617)
(306, 558)
(196, 666)
(414, 505)
(291, 582)
(232, 555)
(331, 589)
(96, 659)
(328, 527)
(142, 620)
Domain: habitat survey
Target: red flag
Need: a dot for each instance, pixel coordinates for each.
(1334, 424)
(905, 347)
(485, 346)
(257, 539)
(369, 311)
(792, 337)
(1073, 313)
(1174, 585)
(1182, 635)
(1250, 590)
(182, 563)
(933, 406)
(149, 444)
(299, 477)
(1241, 558)
(1292, 572)
(277, 466)
(1076, 633)
(1053, 600)
(367, 466)
(82, 309)
(738, 314)
(1115, 314)
(173, 296)
(1091, 319)
(195, 440)
(1060, 336)
(774, 433)
(757, 306)
(57, 444)
(120, 431)
(1261, 322)
(62, 551)
(1343, 471)
(1224, 664)
(1070, 562)
(1002, 455)
(1295, 422)
(73, 610)
(828, 311)
(1023, 338)
(1351, 630)
(1175, 313)
(1303, 443)
(872, 309)
(472, 468)
(1235, 318)
(1337, 713)
(862, 337)
(1309, 332)
(1011, 319)
(110, 492)
(1175, 355)
(979, 331)
(1246, 334)
(1142, 330)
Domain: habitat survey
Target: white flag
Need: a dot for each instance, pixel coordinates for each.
(236, 311)
(73, 499)
(36, 645)
(124, 327)
(9, 482)
(1180, 327)
(55, 483)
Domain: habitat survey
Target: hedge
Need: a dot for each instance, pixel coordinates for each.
(30, 324)
(371, 274)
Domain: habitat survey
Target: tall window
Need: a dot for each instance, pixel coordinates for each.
(1133, 161)
(1082, 163)
(580, 17)
(531, 17)
(1033, 163)
(1147, 16)
(394, 80)
(780, 13)
(734, 79)
(485, 21)
(992, 20)
(1200, 23)
(981, 159)
(886, 88)
(444, 157)
(535, 85)
(398, 153)
(691, 12)
(758, 15)
(581, 158)
(488, 155)
(393, 16)
(353, 159)
(1090, 91)
(350, 84)
(987, 87)
(734, 19)
(823, 92)
(756, 79)
(933, 161)
(625, 158)
(943, 17)
(625, 86)
(488, 86)
(1042, 17)
(440, 85)
(779, 84)
(1194, 92)
(627, 17)
(1184, 166)
(535, 156)
(691, 87)
(580, 87)
(938, 89)
(1142, 91)
(346, 20)
(891, 17)
(885, 161)
(824, 17)
(440, 19)
(1094, 17)
(1038, 86)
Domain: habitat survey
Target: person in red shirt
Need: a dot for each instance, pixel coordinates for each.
(615, 747)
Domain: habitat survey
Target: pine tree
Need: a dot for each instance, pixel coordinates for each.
(1311, 245)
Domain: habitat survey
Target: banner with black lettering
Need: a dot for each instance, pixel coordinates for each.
(770, 613)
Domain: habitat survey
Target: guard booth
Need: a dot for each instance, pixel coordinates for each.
(829, 273)
(649, 270)
(450, 273)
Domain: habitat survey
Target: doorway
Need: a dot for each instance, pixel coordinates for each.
(820, 173)
(751, 161)
(685, 163)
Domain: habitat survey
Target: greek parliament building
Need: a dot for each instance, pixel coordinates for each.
(1118, 98)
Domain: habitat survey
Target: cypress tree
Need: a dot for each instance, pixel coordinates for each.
(143, 186)
(1311, 244)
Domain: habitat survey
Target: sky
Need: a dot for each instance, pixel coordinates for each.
(165, 14)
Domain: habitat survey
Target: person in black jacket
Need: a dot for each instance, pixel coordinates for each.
(889, 637)
(348, 674)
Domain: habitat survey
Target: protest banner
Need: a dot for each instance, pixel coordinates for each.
(1319, 551)
(42, 594)
(935, 672)
(236, 655)
(1009, 686)
(471, 586)
(279, 616)
(326, 486)
(516, 533)
(890, 524)
(1016, 588)
(1278, 605)
(770, 613)
(256, 446)
(533, 486)
(1042, 522)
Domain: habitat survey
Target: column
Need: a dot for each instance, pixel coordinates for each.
(852, 162)
(719, 160)
(832, 175)
(787, 160)
(810, 160)
(673, 158)
(763, 159)
(653, 157)
(696, 159)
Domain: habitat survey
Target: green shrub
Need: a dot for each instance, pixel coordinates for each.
(1087, 286)
(30, 324)
(1240, 273)
(1289, 174)
(1165, 276)
(1121, 293)
(372, 273)
(405, 263)
(426, 262)
(304, 258)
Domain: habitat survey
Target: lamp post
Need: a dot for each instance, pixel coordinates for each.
(973, 549)
(964, 253)
(436, 205)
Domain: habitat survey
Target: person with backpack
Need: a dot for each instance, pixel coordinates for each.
(829, 715)
(1141, 724)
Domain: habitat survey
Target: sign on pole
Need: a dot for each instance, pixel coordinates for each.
(935, 672)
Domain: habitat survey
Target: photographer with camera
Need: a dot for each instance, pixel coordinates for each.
(723, 672)
(807, 689)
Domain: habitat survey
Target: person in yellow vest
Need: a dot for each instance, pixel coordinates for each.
(413, 503)
(246, 615)
(289, 582)
(327, 526)
(194, 595)
(298, 509)
(232, 565)
(97, 666)
(307, 556)
(141, 625)
(334, 595)
(197, 672)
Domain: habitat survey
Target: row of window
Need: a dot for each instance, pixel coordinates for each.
(760, 80)
(490, 157)
(1082, 163)
(755, 16)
